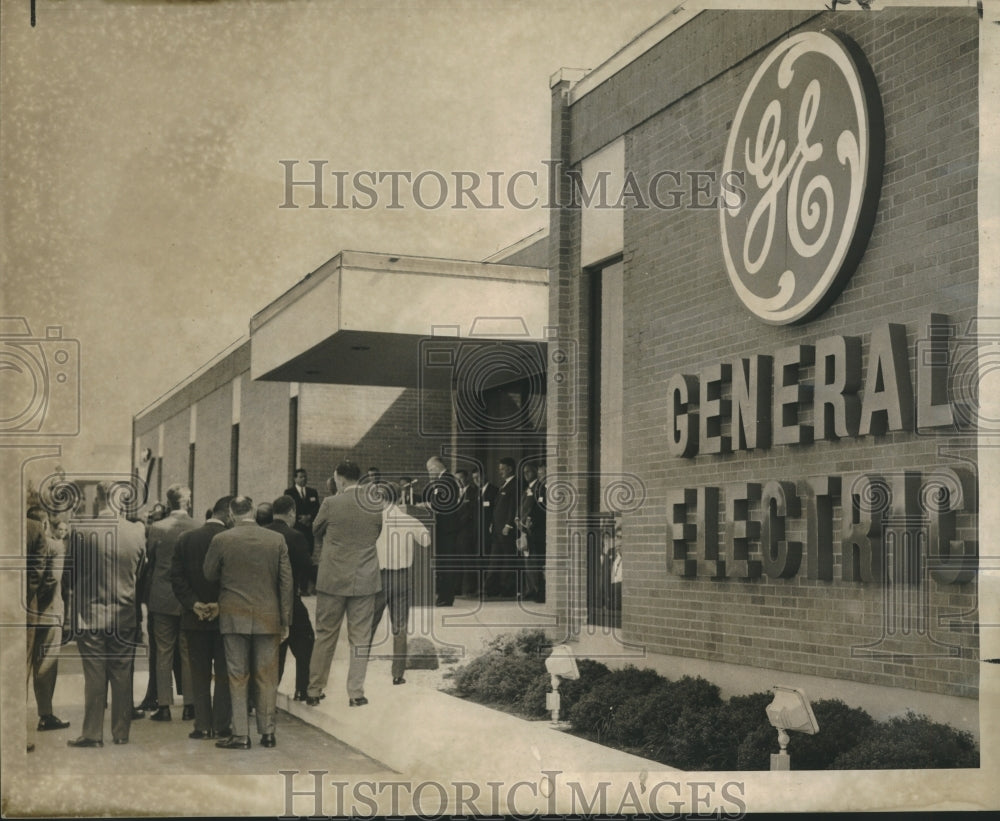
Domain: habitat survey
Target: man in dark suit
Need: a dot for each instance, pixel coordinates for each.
(165, 610)
(200, 622)
(487, 493)
(306, 505)
(443, 497)
(531, 524)
(300, 635)
(105, 570)
(346, 583)
(501, 579)
(255, 611)
(468, 534)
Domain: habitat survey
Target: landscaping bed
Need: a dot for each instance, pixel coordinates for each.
(685, 723)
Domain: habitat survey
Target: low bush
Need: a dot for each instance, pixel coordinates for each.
(840, 729)
(910, 742)
(594, 712)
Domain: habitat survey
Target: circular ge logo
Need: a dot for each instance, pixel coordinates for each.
(808, 141)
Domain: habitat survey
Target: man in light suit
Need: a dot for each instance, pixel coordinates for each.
(165, 611)
(255, 611)
(348, 578)
(105, 571)
(200, 622)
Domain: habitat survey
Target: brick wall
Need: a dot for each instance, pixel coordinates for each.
(682, 315)
(372, 426)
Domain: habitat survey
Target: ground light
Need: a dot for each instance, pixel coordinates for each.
(790, 710)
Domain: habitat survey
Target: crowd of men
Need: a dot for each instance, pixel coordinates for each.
(224, 597)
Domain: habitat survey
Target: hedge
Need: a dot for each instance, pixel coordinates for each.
(685, 723)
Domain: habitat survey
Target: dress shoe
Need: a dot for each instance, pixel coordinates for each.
(137, 713)
(31, 747)
(225, 732)
(235, 742)
(198, 735)
(188, 713)
(84, 742)
(121, 741)
(313, 701)
(267, 740)
(360, 701)
(399, 680)
(149, 705)
(300, 695)
(443, 603)
(161, 714)
(51, 722)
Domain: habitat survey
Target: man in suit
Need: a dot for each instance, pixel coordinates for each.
(467, 539)
(443, 497)
(49, 555)
(165, 611)
(106, 568)
(501, 579)
(300, 635)
(531, 524)
(306, 505)
(199, 598)
(346, 583)
(486, 492)
(255, 612)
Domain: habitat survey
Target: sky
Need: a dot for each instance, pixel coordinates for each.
(141, 146)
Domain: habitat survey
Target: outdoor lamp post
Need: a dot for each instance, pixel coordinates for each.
(560, 665)
(790, 710)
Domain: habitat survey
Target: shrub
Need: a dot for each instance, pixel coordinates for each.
(533, 699)
(526, 643)
(754, 751)
(509, 673)
(571, 691)
(840, 729)
(701, 740)
(910, 742)
(594, 712)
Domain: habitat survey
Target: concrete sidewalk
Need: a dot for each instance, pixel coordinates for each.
(424, 733)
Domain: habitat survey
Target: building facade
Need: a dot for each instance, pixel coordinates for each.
(792, 472)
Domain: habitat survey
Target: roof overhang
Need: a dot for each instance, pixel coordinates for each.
(379, 319)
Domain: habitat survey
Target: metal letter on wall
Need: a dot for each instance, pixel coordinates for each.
(808, 140)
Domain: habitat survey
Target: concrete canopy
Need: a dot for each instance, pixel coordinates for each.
(378, 319)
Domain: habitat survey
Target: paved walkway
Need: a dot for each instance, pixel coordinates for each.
(411, 734)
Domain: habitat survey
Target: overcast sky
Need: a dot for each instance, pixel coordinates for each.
(141, 149)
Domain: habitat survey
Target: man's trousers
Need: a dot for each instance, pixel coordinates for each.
(252, 655)
(106, 658)
(330, 612)
(205, 651)
(395, 595)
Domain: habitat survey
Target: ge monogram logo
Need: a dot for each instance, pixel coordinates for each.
(808, 139)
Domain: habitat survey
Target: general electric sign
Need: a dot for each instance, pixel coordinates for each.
(809, 142)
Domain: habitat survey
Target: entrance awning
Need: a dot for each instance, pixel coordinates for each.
(378, 319)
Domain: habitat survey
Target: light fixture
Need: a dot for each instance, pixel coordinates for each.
(560, 664)
(790, 710)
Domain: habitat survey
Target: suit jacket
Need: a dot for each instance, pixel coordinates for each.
(504, 511)
(487, 499)
(533, 508)
(444, 498)
(298, 554)
(41, 585)
(255, 579)
(160, 544)
(348, 565)
(306, 503)
(468, 520)
(107, 557)
(187, 574)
